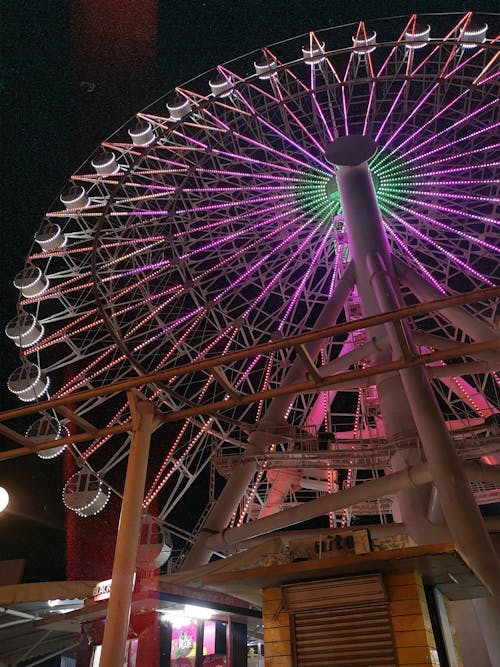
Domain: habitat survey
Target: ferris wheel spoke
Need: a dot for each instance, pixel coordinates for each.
(452, 126)
(452, 231)
(404, 246)
(453, 142)
(287, 140)
(460, 214)
(454, 195)
(441, 250)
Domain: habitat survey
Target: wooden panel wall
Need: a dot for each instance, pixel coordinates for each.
(277, 638)
(411, 623)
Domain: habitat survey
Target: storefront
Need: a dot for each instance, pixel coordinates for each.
(174, 629)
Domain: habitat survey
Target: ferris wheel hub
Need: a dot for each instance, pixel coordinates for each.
(350, 151)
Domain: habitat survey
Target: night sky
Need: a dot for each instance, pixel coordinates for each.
(63, 90)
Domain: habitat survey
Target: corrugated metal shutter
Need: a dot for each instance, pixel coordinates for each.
(341, 623)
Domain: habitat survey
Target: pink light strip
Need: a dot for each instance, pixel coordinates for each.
(461, 121)
(451, 230)
(441, 249)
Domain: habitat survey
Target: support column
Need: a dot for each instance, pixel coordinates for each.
(127, 541)
(377, 288)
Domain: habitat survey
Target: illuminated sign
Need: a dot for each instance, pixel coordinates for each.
(102, 590)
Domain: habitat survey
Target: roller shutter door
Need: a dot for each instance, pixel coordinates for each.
(341, 623)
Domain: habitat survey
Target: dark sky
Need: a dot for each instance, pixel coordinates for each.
(56, 108)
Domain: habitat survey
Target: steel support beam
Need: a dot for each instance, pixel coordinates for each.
(378, 290)
(127, 541)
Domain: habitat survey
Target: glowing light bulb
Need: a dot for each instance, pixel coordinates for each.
(4, 498)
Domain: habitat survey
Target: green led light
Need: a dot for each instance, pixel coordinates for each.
(317, 192)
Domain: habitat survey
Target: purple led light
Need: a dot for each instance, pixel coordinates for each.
(256, 174)
(256, 243)
(451, 195)
(344, 110)
(457, 170)
(310, 268)
(287, 140)
(190, 139)
(265, 258)
(170, 327)
(305, 130)
(231, 204)
(415, 110)
(368, 107)
(224, 222)
(456, 212)
(262, 163)
(389, 114)
(409, 253)
(335, 272)
(422, 156)
(439, 247)
(321, 114)
(455, 156)
(407, 28)
(433, 137)
(450, 230)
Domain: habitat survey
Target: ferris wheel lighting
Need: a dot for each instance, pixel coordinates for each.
(229, 230)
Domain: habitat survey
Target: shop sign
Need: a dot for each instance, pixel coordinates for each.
(102, 590)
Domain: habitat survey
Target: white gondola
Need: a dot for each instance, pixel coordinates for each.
(142, 133)
(50, 237)
(155, 545)
(28, 382)
(31, 281)
(105, 163)
(363, 45)
(46, 429)
(473, 35)
(85, 493)
(74, 197)
(178, 107)
(220, 86)
(314, 55)
(24, 329)
(265, 66)
(418, 37)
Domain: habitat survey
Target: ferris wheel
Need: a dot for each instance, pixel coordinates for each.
(214, 222)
